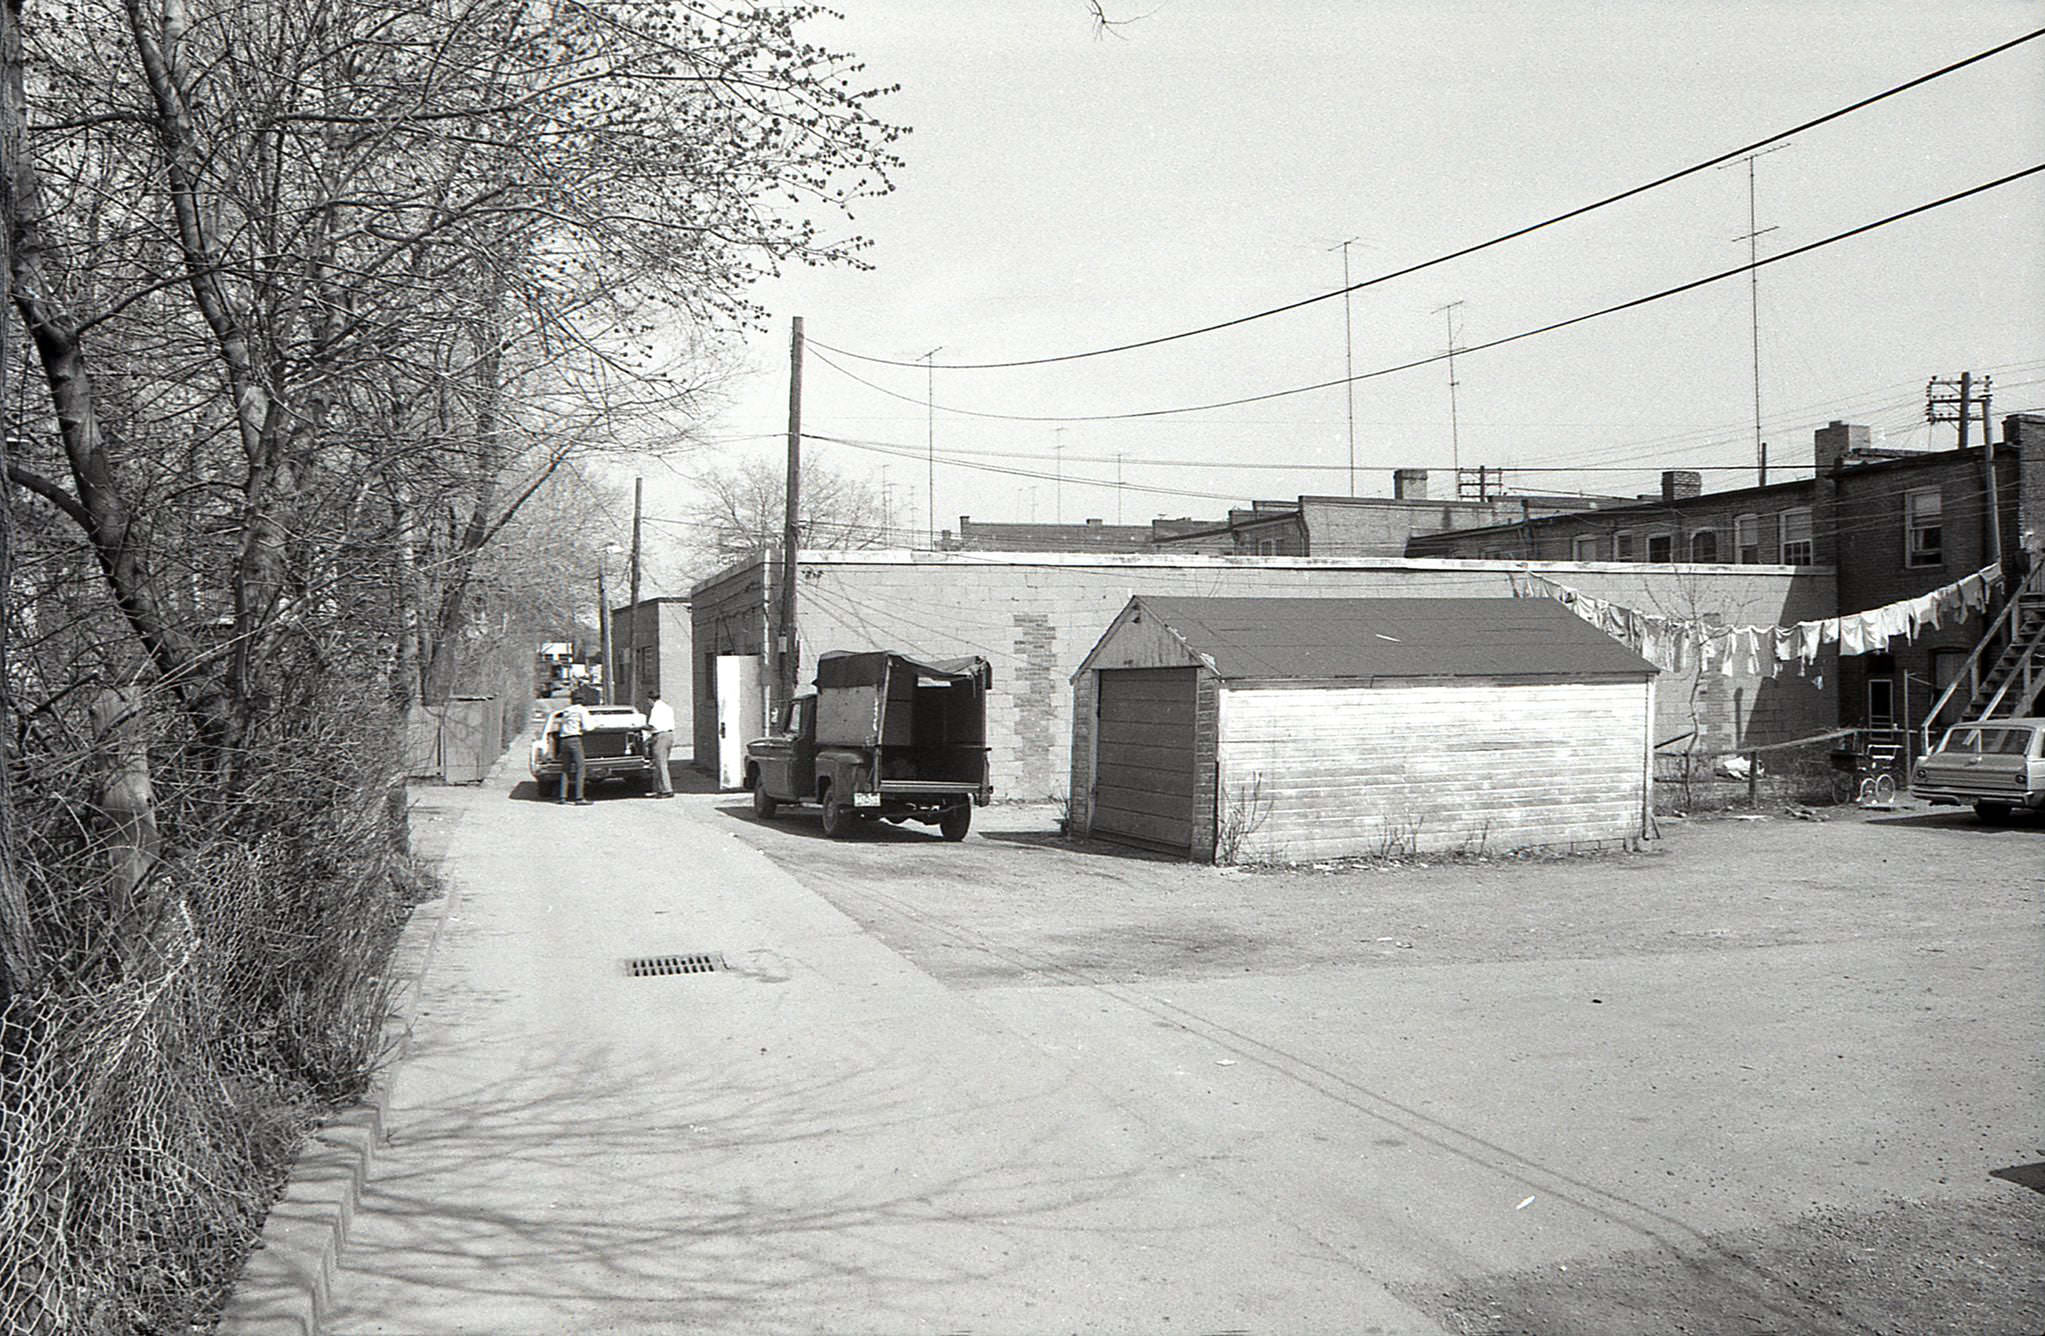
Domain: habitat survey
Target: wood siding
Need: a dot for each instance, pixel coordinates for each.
(1145, 783)
(1333, 771)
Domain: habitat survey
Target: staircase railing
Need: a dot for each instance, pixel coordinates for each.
(2003, 623)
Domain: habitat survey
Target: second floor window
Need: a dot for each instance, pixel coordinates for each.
(1584, 548)
(1797, 549)
(1622, 545)
(1747, 537)
(1923, 544)
(1704, 546)
(1661, 547)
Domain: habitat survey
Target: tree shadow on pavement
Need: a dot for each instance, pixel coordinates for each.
(582, 1193)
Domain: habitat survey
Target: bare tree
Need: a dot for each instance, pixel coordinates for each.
(742, 505)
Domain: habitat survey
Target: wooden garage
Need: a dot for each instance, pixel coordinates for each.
(1275, 730)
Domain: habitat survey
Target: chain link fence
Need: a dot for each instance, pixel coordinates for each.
(187, 1030)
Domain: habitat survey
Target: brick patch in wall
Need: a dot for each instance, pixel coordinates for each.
(1038, 686)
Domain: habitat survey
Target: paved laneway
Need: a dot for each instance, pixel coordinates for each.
(821, 1138)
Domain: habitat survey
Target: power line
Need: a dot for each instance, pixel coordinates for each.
(1531, 228)
(1550, 328)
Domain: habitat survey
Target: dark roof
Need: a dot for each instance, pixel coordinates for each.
(1392, 637)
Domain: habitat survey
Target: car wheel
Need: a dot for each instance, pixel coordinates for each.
(763, 806)
(837, 818)
(1993, 813)
(955, 822)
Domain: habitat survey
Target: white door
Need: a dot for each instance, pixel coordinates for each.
(741, 714)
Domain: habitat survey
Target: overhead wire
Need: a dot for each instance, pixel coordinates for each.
(1550, 328)
(1501, 239)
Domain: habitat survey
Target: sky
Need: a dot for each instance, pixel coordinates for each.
(1065, 191)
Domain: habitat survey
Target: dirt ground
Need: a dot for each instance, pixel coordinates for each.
(1018, 906)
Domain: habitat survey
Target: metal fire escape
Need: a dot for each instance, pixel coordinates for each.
(2005, 675)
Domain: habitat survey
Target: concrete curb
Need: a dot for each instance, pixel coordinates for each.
(286, 1287)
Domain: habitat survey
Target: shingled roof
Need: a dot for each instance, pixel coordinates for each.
(1325, 638)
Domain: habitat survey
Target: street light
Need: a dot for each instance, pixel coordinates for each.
(603, 617)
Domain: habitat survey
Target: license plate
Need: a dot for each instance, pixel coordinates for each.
(866, 800)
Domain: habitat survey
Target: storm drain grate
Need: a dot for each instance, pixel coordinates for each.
(647, 967)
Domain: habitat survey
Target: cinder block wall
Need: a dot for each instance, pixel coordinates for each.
(1035, 616)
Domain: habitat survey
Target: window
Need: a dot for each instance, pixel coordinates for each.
(1922, 543)
(1267, 547)
(1661, 547)
(1622, 545)
(1796, 538)
(1747, 538)
(1584, 547)
(1704, 545)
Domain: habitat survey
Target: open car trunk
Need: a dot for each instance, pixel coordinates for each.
(927, 722)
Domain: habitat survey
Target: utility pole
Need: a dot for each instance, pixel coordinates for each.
(1953, 401)
(930, 442)
(1753, 239)
(1349, 361)
(1058, 474)
(785, 639)
(1118, 487)
(638, 502)
(1455, 442)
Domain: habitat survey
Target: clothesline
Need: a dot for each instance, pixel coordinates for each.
(1676, 644)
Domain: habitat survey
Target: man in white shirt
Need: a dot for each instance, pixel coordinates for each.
(660, 725)
(571, 724)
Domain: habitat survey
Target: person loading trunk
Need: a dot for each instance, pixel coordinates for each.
(571, 724)
(660, 728)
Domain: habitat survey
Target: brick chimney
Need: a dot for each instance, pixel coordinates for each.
(1832, 444)
(1681, 484)
(1409, 484)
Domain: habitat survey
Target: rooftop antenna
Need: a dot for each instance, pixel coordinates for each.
(1455, 443)
(1348, 357)
(1058, 474)
(930, 442)
(1753, 240)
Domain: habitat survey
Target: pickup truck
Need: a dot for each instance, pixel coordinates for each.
(881, 735)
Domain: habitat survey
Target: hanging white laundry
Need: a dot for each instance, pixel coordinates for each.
(1852, 635)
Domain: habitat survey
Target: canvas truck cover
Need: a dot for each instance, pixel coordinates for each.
(875, 699)
(869, 668)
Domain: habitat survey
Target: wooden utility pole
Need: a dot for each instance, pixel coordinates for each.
(1992, 527)
(638, 499)
(785, 637)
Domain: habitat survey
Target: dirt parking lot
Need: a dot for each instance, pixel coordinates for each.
(1793, 1064)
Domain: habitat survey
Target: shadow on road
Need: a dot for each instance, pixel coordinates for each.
(685, 780)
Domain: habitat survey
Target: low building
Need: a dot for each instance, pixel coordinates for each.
(1035, 616)
(652, 642)
(1276, 730)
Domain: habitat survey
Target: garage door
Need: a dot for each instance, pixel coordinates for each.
(1145, 759)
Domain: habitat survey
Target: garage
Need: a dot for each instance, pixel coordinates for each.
(1145, 782)
(1289, 730)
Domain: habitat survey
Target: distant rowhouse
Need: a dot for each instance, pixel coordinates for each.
(1279, 729)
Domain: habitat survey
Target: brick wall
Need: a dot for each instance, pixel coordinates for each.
(1036, 617)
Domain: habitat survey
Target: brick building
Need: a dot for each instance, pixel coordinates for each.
(1035, 616)
(1892, 524)
(1365, 526)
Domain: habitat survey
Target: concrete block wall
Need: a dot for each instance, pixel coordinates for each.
(1035, 617)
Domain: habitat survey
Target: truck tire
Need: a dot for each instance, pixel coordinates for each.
(955, 822)
(1993, 813)
(763, 806)
(837, 818)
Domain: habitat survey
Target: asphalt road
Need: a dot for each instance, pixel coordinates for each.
(1017, 1086)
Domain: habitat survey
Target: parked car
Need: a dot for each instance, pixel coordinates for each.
(1998, 765)
(613, 747)
(882, 736)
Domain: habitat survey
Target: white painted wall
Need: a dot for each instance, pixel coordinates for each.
(1476, 766)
